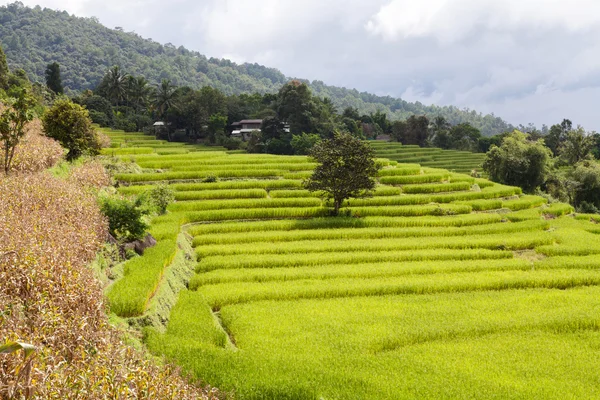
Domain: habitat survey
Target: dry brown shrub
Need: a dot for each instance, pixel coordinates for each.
(90, 174)
(50, 230)
(36, 152)
(103, 139)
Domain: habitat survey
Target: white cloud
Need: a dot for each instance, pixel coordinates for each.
(452, 20)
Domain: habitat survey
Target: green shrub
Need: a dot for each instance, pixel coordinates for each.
(160, 197)
(124, 217)
(70, 124)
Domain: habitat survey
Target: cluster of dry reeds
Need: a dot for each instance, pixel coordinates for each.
(50, 230)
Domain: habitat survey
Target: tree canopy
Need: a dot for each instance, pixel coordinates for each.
(53, 79)
(346, 168)
(69, 124)
(519, 161)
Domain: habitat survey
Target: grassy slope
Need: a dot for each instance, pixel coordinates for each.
(404, 302)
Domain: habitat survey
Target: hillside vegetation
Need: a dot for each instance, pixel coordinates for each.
(439, 286)
(33, 38)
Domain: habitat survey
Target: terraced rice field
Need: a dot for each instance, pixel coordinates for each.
(453, 160)
(440, 286)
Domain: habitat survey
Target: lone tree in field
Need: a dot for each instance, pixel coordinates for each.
(346, 168)
(69, 124)
(13, 119)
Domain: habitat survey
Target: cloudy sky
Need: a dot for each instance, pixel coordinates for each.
(524, 60)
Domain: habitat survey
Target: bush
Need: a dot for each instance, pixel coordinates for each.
(231, 143)
(35, 152)
(69, 123)
(210, 179)
(125, 124)
(587, 208)
(302, 144)
(99, 118)
(279, 146)
(160, 197)
(125, 218)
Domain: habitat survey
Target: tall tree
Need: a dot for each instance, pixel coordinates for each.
(53, 80)
(346, 168)
(138, 92)
(519, 162)
(295, 106)
(13, 119)
(216, 125)
(439, 132)
(3, 70)
(557, 135)
(164, 97)
(464, 137)
(115, 85)
(576, 146)
(415, 130)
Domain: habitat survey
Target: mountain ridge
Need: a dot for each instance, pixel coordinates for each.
(85, 49)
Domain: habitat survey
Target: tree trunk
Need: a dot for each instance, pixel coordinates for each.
(6, 165)
(336, 207)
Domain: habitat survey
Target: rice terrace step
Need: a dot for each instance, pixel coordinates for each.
(439, 283)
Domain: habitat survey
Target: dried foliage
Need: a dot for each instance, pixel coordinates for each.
(90, 174)
(103, 139)
(50, 229)
(36, 152)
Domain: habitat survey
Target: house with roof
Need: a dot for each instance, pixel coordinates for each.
(244, 128)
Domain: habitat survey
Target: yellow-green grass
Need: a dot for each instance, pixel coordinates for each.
(220, 295)
(245, 167)
(512, 241)
(361, 270)
(213, 236)
(344, 222)
(460, 345)
(243, 214)
(221, 194)
(437, 188)
(244, 203)
(422, 291)
(314, 258)
(268, 184)
(129, 296)
(183, 175)
(524, 203)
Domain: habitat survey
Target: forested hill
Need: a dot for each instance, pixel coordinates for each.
(85, 49)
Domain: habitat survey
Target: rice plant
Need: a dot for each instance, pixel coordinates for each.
(298, 259)
(413, 179)
(130, 295)
(244, 203)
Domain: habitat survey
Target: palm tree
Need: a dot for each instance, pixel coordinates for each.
(138, 92)
(116, 84)
(164, 97)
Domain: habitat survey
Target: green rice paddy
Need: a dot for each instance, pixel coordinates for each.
(453, 160)
(439, 286)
